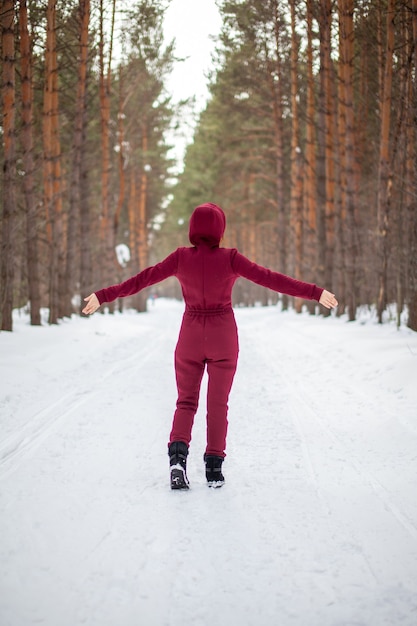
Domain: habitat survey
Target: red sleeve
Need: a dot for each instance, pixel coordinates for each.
(149, 276)
(274, 280)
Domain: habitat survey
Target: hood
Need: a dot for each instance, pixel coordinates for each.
(207, 225)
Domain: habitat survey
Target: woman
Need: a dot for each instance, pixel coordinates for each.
(208, 335)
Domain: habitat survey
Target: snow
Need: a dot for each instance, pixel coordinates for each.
(315, 526)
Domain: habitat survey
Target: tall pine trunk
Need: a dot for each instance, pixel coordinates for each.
(276, 93)
(412, 177)
(341, 170)
(310, 152)
(141, 218)
(73, 229)
(9, 218)
(29, 167)
(132, 217)
(347, 141)
(52, 172)
(121, 154)
(106, 223)
(86, 274)
(310, 180)
(296, 206)
(401, 155)
(384, 174)
(325, 42)
(321, 154)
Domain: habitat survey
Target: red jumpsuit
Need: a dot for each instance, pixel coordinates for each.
(208, 335)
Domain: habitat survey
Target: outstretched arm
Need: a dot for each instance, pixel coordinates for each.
(328, 299)
(145, 278)
(280, 282)
(92, 304)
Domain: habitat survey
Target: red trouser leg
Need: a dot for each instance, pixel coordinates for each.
(189, 369)
(222, 350)
(211, 340)
(188, 374)
(220, 380)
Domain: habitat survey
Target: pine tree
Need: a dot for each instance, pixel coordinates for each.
(9, 218)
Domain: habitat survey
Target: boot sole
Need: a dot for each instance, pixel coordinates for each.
(178, 479)
(215, 484)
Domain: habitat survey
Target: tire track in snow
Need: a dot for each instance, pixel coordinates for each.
(15, 448)
(37, 429)
(297, 496)
(378, 489)
(299, 341)
(368, 537)
(358, 509)
(351, 534)
(299, 398)
(334, 374)
(301, 407)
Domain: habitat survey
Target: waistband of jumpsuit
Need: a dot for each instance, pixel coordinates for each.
(207, 312)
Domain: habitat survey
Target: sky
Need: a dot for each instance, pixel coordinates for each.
(193, 24)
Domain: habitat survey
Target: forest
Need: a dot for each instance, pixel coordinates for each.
(308, 141)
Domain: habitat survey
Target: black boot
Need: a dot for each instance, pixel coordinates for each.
(214, 474)
(178, 452)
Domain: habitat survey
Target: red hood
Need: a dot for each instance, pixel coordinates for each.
(207, 225)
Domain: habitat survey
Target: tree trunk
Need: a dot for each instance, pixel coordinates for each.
(86, 274)
(141, 218)
(310, 156)
(296, 160)
(340, 288)
(412, 177)
(9, 219)
(276, 94)
(73, 229)
(401, 156)
(29, 167)
(325, 42)
(347, 141)
(384, 174)
(121, 155)
(131, 210)
(106, 224)
(321, 157)
(52, 172)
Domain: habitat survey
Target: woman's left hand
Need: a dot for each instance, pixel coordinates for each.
(92, 304)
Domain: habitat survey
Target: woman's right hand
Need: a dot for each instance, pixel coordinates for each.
(92, 304)
(328, 300)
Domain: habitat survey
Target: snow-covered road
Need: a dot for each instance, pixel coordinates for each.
(317, 522)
